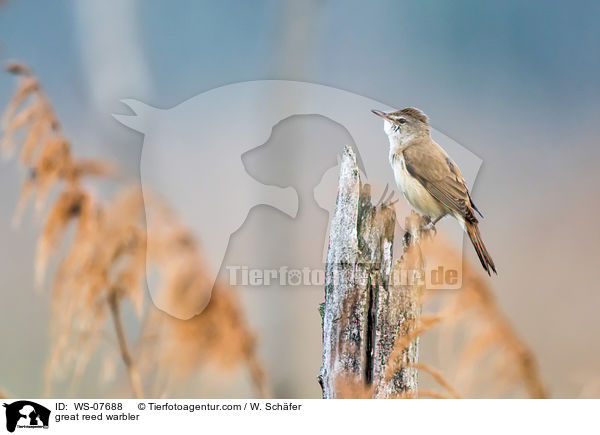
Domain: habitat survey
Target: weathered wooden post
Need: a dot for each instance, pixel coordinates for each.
(369, 301)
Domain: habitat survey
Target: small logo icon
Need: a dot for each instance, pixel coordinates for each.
(26, 414)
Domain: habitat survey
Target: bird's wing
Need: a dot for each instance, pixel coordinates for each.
(440, 176)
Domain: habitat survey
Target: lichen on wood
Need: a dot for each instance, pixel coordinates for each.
(364, 311)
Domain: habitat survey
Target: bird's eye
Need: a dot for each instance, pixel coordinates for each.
(402, 121)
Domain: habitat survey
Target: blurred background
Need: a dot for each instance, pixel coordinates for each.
(514, 82)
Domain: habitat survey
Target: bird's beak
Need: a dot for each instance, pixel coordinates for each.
(380, 113)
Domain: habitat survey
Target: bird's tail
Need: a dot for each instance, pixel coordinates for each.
(484, 256)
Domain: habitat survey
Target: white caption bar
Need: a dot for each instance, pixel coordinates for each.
(303, 416)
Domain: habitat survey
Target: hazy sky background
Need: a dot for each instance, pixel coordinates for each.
(515, 82)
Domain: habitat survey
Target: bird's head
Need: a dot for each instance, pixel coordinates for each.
(404, 125)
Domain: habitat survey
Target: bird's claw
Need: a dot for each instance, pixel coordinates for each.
(428, 229)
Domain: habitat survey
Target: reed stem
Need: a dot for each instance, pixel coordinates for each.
(134, 376)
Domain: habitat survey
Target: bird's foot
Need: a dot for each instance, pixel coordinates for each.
(428, 228)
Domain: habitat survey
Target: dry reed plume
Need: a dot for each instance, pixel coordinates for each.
(491, 358)
(105, 260)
